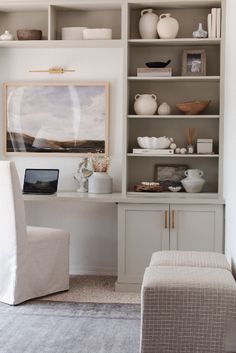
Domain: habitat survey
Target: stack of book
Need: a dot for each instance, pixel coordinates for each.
(160, 152)
(214, 23)
(154, 72)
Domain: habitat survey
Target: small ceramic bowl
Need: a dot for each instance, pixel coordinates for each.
(175, 188)
(153, 142)
(29, 34)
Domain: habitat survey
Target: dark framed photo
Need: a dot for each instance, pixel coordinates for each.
(194, 62)
(169, 174)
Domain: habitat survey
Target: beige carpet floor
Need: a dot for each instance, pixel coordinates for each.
(94, 289)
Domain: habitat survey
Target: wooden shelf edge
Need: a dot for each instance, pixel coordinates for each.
(133, 116)
(174, 155)
(113, 43)
(175, 78)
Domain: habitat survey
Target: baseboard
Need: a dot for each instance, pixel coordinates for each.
(93, 271)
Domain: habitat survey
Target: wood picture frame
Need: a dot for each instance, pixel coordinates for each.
(66, 118)
(194, 62)
(169, 174)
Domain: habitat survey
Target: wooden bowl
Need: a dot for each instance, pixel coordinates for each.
(29, 34)
(193, 108)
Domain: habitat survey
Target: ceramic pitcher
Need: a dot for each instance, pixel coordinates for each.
(148, 24)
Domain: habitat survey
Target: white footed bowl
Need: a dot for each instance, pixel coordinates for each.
(72, 33)
(97, 33)
(154, 142)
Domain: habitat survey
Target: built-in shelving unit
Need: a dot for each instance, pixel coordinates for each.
(174, 89)
(50, 17)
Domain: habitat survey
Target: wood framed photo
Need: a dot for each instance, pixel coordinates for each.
(194, 62)
(56, 118)
(169, 174)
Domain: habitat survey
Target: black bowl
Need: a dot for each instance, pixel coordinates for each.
(160, 64)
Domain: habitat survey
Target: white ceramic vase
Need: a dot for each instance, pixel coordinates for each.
(148, 24)
(145, 104)
(164, 109)
(193, 181)
(167, 27)
(6, 36)
(100, 183)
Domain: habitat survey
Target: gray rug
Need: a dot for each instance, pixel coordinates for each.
(52, 327)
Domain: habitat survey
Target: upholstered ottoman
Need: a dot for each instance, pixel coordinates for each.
(186, 309)
(189, 258)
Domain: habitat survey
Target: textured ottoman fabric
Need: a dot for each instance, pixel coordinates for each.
(186, 309)
(189, 258)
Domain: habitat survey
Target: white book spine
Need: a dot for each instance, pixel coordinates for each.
(152, 151)
(218, 23)
(209, 21)
(213, 23)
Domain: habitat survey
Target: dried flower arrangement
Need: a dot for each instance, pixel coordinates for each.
(100, 163)
(190, 134)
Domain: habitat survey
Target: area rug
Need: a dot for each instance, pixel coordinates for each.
(94, 289)
(53, 327)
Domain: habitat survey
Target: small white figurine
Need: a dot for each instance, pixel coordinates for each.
(82, 174)
(6, 36)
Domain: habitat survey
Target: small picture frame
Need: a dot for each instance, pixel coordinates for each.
(194, 62)
(169, 174)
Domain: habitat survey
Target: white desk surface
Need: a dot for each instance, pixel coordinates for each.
(120, 198)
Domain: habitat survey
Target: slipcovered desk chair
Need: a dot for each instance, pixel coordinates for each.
(34, 261)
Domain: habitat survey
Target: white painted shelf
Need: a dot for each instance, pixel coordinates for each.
(176, 78)
(132, 116)
(114, 43)
(173, 155)
(176, 41)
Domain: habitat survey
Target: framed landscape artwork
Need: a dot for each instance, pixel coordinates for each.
(61, 118)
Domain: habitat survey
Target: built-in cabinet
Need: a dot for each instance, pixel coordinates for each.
(144, 229)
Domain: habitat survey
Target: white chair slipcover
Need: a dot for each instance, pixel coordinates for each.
(34, 261)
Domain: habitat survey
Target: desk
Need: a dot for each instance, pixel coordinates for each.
(163, 198)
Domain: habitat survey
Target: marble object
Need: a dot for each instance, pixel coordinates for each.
(82, 174)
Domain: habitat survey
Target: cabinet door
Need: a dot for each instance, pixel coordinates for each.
(142, 230)
(196, 227)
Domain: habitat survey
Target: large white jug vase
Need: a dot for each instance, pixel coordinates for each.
(193, 181)
(148, 24)
(167, 27)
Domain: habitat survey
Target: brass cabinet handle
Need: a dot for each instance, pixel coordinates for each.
(173, 219)
(166, 219)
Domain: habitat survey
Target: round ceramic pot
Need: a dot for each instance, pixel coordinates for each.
(148, 24)
(72, 33)
(97, 33)
(145, 104)
(100, 183)
(193, 181)
(167, 27)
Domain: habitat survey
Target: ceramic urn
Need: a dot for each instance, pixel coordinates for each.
(145, 104)
(193, 181)
(167, 27)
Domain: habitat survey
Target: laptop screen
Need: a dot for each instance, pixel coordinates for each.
(41, 181)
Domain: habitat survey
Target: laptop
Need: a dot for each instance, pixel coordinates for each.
(40, 181)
